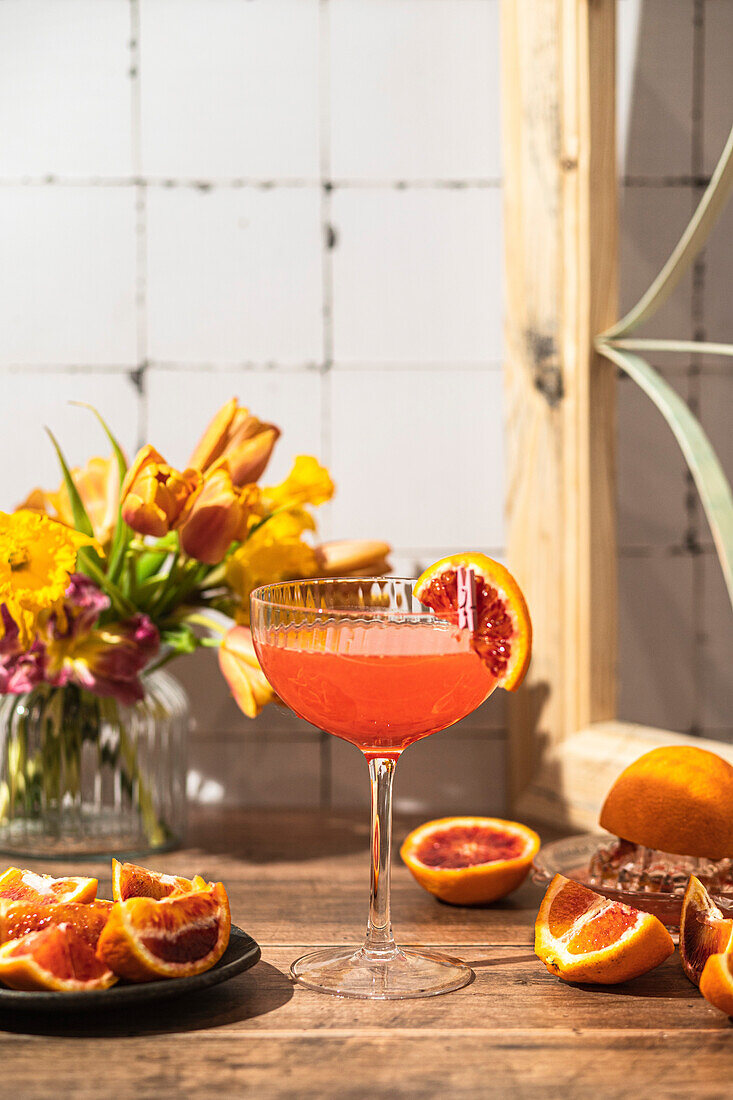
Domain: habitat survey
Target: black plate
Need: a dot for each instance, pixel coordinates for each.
(241, 954)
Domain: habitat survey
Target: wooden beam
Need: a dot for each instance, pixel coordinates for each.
(558, 76)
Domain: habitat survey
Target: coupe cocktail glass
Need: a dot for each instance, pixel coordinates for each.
(363, 659)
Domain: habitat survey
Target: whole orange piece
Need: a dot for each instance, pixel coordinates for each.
(470, 860)
(174, 937)
(676, 798)
(581, 936)
(55, 958)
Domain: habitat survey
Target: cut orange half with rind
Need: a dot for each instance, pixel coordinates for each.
(503, 635)
(470, 860)
(56, 959)
(704, 931)
(17, 884)
(716, 983)
(131, 881)
(174, 937)
(581, 936)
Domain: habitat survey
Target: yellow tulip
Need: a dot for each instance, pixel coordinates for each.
(241, 670)
(307, 483)
(156, 498)
(237, 439)
(99, 488)
(218, 516)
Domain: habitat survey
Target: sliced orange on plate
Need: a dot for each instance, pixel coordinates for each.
(17, 884)
(503, 634)
(55, 958)
(581, 936)
(470, 860)
(131, 881)
(704, 931)
(174, 937)
(17, 918)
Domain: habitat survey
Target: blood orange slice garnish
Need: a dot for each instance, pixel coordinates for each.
(581, 936)
(503, 634)
(55, 958)
(17, 918)
(131, 881)
(21, 885)
(470, 860)
(704, 931)
(175, 937)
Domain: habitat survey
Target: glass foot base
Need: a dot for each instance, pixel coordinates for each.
(344, 972)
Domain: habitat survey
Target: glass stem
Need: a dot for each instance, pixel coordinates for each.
(379, 940)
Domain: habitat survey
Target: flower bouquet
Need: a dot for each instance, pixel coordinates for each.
(105, 581)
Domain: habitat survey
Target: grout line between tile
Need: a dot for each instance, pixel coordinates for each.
(137, 377)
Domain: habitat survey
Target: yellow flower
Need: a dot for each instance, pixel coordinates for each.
(241, 670)
(37, 556)
(274, 552)
(99, 488)
(307, 483)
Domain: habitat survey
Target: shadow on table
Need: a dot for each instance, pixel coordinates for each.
(263, 989)
(274, 836)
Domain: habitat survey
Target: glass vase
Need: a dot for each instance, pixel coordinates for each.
(83, 776)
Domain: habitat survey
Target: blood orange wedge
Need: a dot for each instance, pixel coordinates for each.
(583, 937)
(20, 885)
(55, 958)
(716, 983)
(131, 881)
(175, 937)
(19, 917)
(503, 636)
(704, 931)
(470, 860)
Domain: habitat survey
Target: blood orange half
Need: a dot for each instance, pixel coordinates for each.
(503, 636)
(55, 958)
(175, 937)
(131, 881)
(581, 936)
(21, 885)
(704, 931)
(470, 860)
(17, 918)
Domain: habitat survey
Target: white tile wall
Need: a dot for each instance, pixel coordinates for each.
(65, 88)
(67, 278)
(234, 275)
(229, 88)
(718, 86)
(445, 486)
(31, 400)
(414, 89)
(413, 274)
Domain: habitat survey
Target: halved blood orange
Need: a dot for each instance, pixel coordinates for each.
(716, 983)
(174, 937)
(131, 881)
(503, 637)
(470, 860)
(704, 931)
(17, 918)
(581, 936)
(55, 958)
(22, 885)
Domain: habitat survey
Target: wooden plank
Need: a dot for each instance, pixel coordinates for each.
(558, 77)
(520, 1064)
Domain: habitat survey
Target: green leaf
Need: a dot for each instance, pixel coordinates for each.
(120, 602)
(82, 523)
(181, 638)
(710, 479)
(122, 533)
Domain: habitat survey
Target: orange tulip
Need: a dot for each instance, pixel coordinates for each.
(241, 670)
(217, 518)
(156, 498)
(237, 439)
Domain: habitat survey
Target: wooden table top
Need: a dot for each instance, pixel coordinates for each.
(300, 879)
